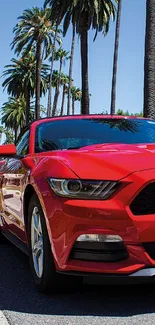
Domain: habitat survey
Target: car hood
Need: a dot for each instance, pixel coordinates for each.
(109, 161)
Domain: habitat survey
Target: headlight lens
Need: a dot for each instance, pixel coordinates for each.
(83, 189)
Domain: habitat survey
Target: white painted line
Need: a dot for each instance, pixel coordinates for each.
(3, 320)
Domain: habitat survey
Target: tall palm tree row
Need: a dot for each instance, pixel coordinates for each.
(38, 37)
(20, 76)
(35, 30)
(83, 14)
(21, 79)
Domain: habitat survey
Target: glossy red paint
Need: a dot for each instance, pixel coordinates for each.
(72, 218)
(8, 149)
(133, 165)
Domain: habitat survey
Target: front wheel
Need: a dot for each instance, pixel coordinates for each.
(41, 258)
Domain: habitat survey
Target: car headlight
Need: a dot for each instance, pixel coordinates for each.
(83, 189)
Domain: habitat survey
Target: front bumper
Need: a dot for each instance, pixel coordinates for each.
(139, 277)
(69, 219)
(148, 272)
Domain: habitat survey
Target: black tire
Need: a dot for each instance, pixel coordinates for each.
(3, 239)
(50, 281)
(1, 236)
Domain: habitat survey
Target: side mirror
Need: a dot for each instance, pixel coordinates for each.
(7, 150)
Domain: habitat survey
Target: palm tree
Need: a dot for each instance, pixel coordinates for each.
(56, 39)
(71, 69)
(76, 96)
(35, 29)
(20, 79)
(115, 63)
(55, 78)
(62, 56)
(13, 114)
(65, 83)
(149, 61)
(84, 14)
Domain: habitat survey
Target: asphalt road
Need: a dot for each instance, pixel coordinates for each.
(96, 305)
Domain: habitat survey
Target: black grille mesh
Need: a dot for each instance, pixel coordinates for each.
(144, 203)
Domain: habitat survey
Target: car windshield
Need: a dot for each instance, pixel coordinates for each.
(76, 133)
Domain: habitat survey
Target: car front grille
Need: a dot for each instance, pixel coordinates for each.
(99, 251)
(144, 203)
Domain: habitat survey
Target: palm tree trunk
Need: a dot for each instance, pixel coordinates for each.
(63, 99)
(84, 65)
(115, 62)
(55, 103)
(73, 105)
(149, 61)
(49, 103)
(27, 113)
(71, 71)
(38, 74)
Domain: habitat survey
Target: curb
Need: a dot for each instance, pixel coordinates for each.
(3, 320)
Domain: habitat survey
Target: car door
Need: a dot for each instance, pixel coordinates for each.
(13, 182)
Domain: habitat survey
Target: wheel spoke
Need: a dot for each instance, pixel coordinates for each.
(37, 247)
(37, 230)
(39, 226)
(36, 221)
(37, 242)
(32, 233)
(40, 263)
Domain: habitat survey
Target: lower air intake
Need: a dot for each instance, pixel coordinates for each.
(144, 203)
(99, 252)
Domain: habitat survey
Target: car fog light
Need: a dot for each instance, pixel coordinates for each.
(99, 238)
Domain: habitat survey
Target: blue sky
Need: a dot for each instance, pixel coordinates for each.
(131, 56)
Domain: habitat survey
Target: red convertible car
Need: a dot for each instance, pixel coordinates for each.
(78, 195)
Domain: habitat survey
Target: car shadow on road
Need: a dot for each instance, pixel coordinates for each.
(17, 293)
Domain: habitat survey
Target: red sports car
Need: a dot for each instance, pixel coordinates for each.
(78, 195)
